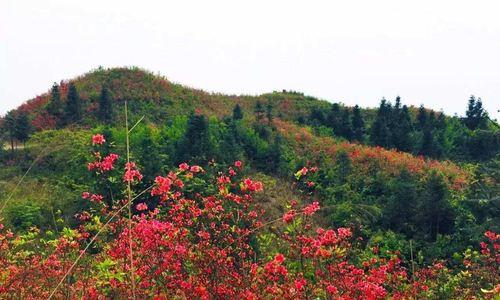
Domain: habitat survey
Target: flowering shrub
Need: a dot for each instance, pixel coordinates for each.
(201, 239)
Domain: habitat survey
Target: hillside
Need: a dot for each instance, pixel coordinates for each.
(160, 98)
(240, 180)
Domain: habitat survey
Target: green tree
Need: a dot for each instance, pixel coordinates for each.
(22, 127)
(55, 105)
(195, 146)
(475, 116)
(269, 112)
(380, 134)
(421, 117)
(345, 124)
(9, 127)
(237, 112)
(435, 213)
(333, 118)
(73, 111)
(402, 130)
(259, 111)
(357, 124)
(400, 208)
(105, 106)
(427, 143)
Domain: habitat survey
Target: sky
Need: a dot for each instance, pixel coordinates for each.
(433, 52)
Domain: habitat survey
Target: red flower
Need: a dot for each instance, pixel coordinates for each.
(98, 139)
(141, 206)
(195, 169)
(184, 166)
(131, 172)
(238, 164)
(311, 208)
(279, 258)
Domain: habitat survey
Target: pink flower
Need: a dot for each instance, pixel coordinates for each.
(85, 195)
(131, 172)
(238, 164)
(303, 171)
(184, 166)
(195, 169)
(288, 216)
(141, 206)
(311, 208)
(300, 284)
(279, 258)
(96, 198)
(98, 139)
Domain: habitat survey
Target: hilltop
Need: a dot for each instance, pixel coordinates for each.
(158, 98)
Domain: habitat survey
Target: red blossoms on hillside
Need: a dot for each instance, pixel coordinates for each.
(98, 139)
(131, 172)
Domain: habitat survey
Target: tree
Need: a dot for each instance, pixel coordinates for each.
(105, 106)
(380, 134)
(269, 112)
(333, 118)
(422, 117)
(259, 111)
(427, 143)
(9, 127)
(317, 117)
(357, 124)
(55, 105)
(436, 214)
(22, 127)
(195, 145)
(73, 111)
(402, 130)
(401, 204)
(475, 116)
(237, 112)
(345, 124)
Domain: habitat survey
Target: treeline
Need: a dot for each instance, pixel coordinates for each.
(474, 137)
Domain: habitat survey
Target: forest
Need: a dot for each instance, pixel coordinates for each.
(122, 184)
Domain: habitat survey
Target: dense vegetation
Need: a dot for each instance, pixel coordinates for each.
(405, 195)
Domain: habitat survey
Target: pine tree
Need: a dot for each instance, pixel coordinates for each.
(317, 117)
(195, 146)
(380, 134)
(269, 113)
(401, 204)
(422, 117)
(9, 127)
(345, 124)
(73, 111)
(105, 106)
(22, 127)
(402, 130)
(427, 144)
(259, 111)
(435, 214)
(55, 105)
(237, 112)
(358, 125)
(475, 116)
(333, 118)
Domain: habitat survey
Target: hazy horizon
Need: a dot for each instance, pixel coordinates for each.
(436, 54)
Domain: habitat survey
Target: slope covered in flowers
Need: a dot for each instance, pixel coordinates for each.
(365, 158)
(204, 237)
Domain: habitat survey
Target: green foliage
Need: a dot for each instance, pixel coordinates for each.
(105, 106)
(73, 112)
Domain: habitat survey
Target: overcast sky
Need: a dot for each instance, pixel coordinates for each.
(433, 52)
